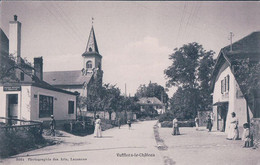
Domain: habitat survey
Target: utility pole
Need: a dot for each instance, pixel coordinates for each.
(231, 35)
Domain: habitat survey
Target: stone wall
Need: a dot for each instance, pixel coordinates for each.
(255, 129)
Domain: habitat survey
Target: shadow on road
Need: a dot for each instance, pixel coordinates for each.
(60, 152)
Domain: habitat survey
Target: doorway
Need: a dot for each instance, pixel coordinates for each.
(12, 108)
(222, 110)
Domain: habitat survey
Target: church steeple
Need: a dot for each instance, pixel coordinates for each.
(92, 43)
(92, 60)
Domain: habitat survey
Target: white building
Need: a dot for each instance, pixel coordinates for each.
(153, 102)
(28, 97)
(227, 96)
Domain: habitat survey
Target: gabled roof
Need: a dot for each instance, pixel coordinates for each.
(149, 101)
(4, 43)
(246, 48)
(66, 77)
(92, 47)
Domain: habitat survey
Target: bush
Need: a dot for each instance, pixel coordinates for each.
(166, 117)
(167, 124)
(16, 141)
(187, 123)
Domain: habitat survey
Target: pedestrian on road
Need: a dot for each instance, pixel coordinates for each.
(233, 133)
(197, 123)
(97, 132)
(175, 127)
(129, 124)
(119, 122)
(246, 135)
(52, 125)
(209, 123)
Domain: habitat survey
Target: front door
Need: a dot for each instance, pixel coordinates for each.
(12, 107)
(222, 116)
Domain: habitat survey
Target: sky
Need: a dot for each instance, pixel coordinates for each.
(134, 38)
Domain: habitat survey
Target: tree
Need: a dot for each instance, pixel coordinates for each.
(190, 71)
(7, 68)
(248, 77)
(152, 90)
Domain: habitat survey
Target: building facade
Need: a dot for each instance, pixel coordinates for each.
(25, 95)
(153, 102)
(227, 94)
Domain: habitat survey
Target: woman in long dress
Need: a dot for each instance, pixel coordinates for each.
(97, 132)
(175, 127)
(233, 133)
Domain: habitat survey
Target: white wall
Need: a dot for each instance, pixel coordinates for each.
(60, 104)
(28, 104)
(237, 105)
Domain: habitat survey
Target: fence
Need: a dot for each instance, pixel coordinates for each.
(26, 125)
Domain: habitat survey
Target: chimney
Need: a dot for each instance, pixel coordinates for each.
(38, 66)
(15, 38)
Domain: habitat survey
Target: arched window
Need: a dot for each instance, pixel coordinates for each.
(89, 64)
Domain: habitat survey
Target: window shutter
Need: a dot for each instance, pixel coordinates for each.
(222, 86)
(228, 82)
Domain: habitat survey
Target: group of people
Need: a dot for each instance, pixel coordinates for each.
(233, 132)
(98, 129)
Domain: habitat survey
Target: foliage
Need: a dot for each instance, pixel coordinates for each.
(247, 75)
(7, 69)
(190, 71)
(152, 90)
(168, 116)
(14, 142)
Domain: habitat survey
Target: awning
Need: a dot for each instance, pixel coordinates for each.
(220, 103)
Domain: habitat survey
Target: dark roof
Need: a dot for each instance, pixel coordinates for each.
(4, 43)
(250, 43)
(92, 46)
(246, 48)
(149, 101)
(37, 83)
(66, 77)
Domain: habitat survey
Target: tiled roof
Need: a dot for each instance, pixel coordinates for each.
(66, 77)
(247, 47)
(149, 101)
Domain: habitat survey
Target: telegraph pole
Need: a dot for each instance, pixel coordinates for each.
(231, 35)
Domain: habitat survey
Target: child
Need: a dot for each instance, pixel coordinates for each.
(129, 124)
(52, 125)
(246, 135)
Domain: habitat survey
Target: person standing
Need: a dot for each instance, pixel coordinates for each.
(209, 123)
(119, 122)
(233, 133)
(197, 123)
(52, 125)
(175, 127)
(129, 124)
(97, 132)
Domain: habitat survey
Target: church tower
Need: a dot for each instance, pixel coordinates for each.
(91, 57)
(92, 60)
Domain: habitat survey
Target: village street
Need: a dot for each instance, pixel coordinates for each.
(138, 146)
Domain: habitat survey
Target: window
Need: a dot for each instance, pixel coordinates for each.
(89, 64)
(71, 107)
(22, 76)
(225, 84)
(45, 106)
